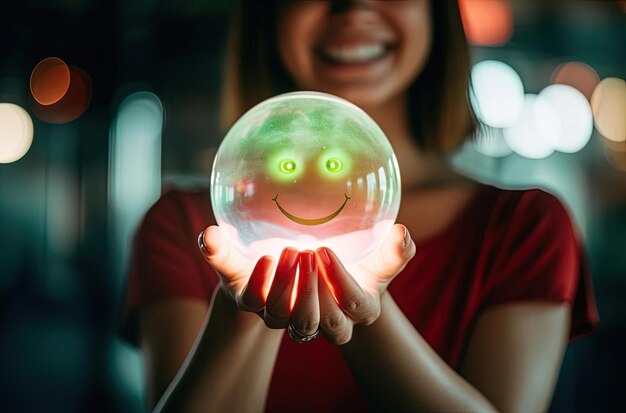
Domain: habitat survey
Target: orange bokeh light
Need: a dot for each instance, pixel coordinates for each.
(578, 75)
(487, 22)
(49, 81)
(608, 103)
(72, 105)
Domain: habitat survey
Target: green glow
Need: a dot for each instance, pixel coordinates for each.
(287, 166)
(334, 163)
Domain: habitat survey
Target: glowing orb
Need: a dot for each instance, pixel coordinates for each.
(305, 169)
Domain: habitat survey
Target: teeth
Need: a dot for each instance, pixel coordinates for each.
(355, 54)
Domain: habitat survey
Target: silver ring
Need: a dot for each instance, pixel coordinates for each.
(301, 338)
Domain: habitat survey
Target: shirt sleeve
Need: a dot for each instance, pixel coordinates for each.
(540, 258)
(165, 261)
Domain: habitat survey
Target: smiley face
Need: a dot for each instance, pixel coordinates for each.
(332, 165)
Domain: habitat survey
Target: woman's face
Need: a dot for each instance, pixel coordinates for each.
(366, 51)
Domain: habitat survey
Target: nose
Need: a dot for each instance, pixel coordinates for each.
(341, 6)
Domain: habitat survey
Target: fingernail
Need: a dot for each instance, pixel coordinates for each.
(324, 256)
(289, 256)
(407, 238)
(201, 244)
(306, 262)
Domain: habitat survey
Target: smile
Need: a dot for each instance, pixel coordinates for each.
(315, 221)
(355, 54)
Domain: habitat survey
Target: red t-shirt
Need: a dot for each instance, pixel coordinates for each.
(504, 246)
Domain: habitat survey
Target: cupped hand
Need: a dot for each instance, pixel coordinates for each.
(349, 297)
(256, 287)
(327, 295)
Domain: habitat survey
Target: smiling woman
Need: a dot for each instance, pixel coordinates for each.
(474, 317)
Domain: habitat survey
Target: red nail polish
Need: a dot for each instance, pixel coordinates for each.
(324, 256)
(289, 256)
(306, 262)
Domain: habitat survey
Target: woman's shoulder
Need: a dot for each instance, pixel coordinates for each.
(177, 200)
(178, 210)
(529, 206)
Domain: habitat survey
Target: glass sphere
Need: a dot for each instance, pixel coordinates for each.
(305, 169)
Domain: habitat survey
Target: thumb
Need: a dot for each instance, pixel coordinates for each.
(222, 255)
(392, 256)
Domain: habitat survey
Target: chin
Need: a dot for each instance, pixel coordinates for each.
(365, 97)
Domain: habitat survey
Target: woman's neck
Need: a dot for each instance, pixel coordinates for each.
(418, 169)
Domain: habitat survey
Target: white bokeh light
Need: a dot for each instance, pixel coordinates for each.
(529, 136)
(135, 168)
(574, 115)
(498, 93)
(16, 132)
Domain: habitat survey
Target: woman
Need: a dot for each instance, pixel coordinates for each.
(483, 294)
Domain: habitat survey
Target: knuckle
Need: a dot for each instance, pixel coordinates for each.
(334, 322)
(369, 320)
(275, 322)
(276, 315)
(355, 303)
(304, 325)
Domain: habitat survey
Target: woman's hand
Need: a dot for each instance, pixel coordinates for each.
(353, 297)
(327, 296)
(249, 284)
(333, 298)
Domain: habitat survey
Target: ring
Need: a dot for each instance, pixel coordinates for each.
(201, 245)
(300, 338)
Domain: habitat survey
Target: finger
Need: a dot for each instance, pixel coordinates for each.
(277, 308)
(358, 304)
(222, 256)
(393, 255)
(255, 292)
(334, 324)
(305, 316)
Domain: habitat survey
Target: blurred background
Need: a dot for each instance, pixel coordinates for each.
(104, 104)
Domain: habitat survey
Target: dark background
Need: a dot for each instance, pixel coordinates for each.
(65, 220)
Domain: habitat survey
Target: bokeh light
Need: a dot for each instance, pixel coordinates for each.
(497, 93)
(49, 81)
(578, 75)
(16, 132)
(135, 167)
(608, 103)
(574, 115)
(72, 105)
(487, 22)
(530, 135)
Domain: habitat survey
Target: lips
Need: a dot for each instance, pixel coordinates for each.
(355, 53)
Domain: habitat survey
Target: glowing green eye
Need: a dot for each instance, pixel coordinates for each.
(287, 166)
(333, 165)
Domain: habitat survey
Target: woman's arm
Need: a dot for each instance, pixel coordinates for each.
(228, 369)
(512, 361)
(230, 365)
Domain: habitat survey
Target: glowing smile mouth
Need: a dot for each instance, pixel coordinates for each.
(306, 221)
